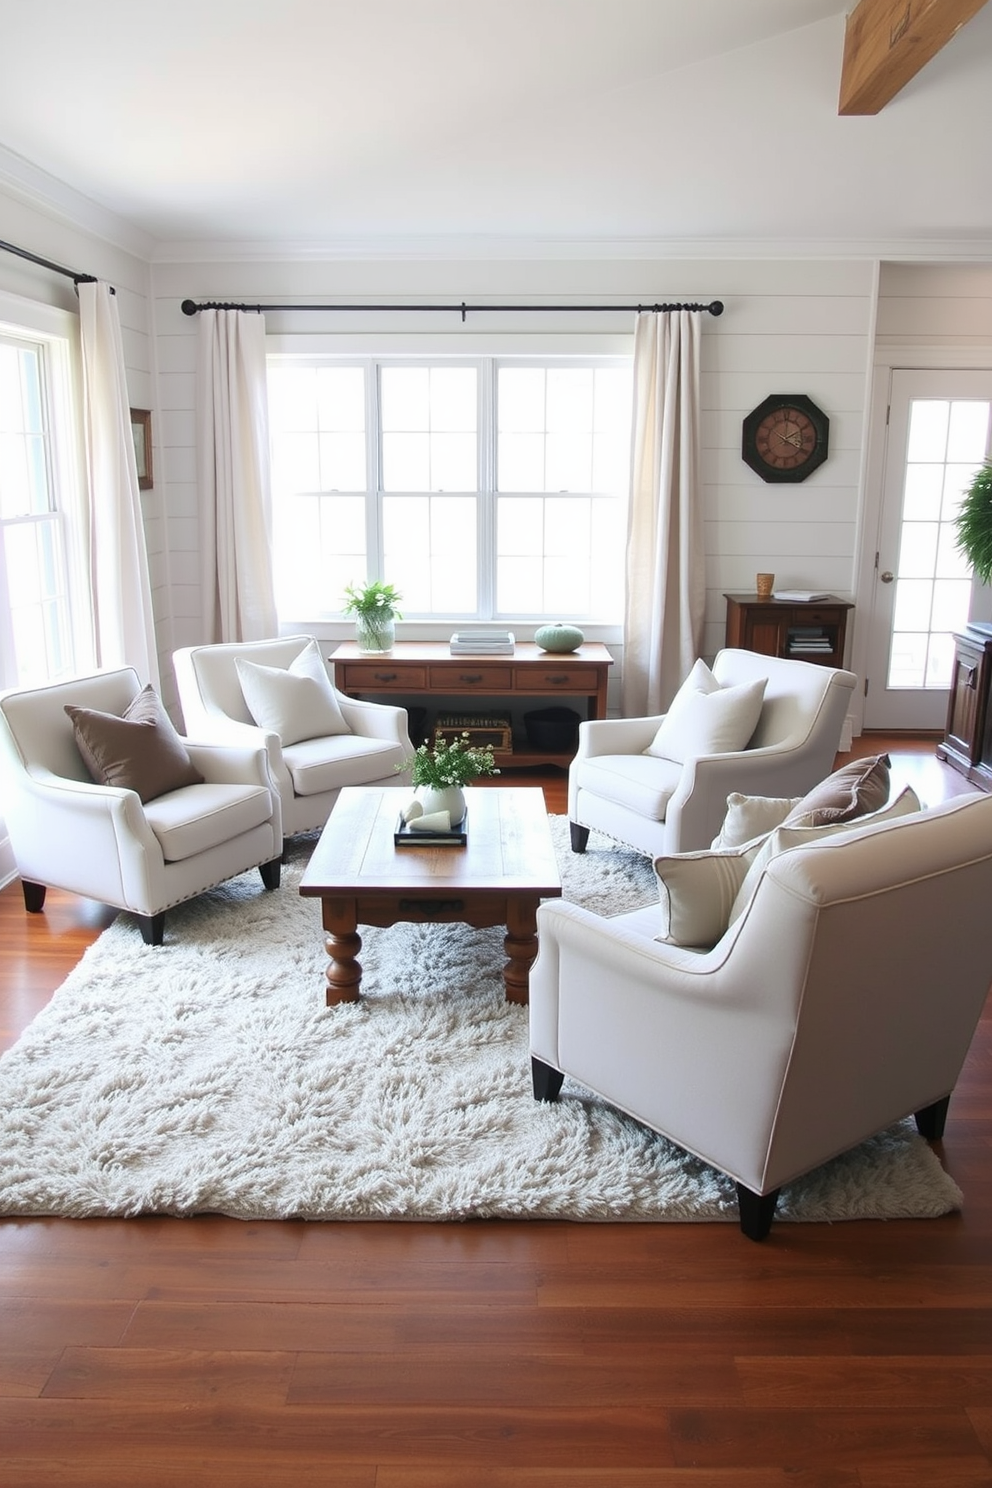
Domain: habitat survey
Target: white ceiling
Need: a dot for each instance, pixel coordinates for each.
(328, 123)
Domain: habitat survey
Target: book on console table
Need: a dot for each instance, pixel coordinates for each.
(407, 834)
(482, 643)
(801, 596)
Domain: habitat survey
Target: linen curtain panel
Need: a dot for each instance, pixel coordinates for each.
(233, 469)
(120, 587)
(666, 588)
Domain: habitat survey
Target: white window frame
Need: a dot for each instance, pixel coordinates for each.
(487, 356)
(56, 332)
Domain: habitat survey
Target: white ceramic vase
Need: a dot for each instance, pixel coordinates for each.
(449, 798)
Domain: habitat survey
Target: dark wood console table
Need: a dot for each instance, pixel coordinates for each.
(427, 668)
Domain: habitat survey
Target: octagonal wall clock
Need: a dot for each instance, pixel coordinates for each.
(785, 437)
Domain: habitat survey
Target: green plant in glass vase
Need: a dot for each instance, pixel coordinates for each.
(374, 606)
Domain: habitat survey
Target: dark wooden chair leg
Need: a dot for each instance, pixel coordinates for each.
(271, 873)
(547, 1080)
(579, 836)
(930, 1121)
(756, 1211)
(152, 928)
(34, 896)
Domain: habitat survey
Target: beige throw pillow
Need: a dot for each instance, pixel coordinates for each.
(296, 702)
(749, 817)
(696, 892)
(140, 751)
(787, 836)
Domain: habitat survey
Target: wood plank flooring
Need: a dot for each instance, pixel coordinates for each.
(499, 1355)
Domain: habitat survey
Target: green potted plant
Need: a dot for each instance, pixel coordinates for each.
(440, 771)
(974, 523)
(373, 605)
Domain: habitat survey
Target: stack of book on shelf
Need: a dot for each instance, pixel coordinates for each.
(482, 643)
(808, 641)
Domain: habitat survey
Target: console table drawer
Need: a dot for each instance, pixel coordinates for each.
(551, 679)
(470, 678)
(382, 676)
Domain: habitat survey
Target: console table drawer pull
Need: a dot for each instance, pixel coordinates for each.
(384, 676)
(470, 677)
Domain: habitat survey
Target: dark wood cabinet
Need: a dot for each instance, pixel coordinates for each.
(967, 741)
(780, 627)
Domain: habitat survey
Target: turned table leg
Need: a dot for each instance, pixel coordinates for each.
(342, 943)
(520, 945)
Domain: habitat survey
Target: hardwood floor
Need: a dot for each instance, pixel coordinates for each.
(493, 1354)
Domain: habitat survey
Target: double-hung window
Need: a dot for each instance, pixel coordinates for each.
(490, 488)
(37, 493)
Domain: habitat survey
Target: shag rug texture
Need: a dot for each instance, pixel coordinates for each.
(208, 1075)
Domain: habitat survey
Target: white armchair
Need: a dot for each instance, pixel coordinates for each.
(658, 805)
(842, 999)
(102, 841)
(372, 740)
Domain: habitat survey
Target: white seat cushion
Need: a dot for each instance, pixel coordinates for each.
(638, 781)
(317, 765)
(198, 817)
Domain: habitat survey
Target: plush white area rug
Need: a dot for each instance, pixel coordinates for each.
(208, 1075)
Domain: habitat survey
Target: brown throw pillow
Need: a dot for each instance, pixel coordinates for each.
(140, 751)
(852, 791)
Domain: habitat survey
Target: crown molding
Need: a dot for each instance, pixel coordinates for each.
(36, 188)
(462, 249)
(46, 193)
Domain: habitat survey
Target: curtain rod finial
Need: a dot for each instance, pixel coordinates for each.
(189, 307)
(716, 308)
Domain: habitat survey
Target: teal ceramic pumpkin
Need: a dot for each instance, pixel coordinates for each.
(560, 637)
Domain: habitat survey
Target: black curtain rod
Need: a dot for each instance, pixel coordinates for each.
(715, 307)
(46, 263)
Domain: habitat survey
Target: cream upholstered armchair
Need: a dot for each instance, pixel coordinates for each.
(177, 817)
(841, 999)
(278, 693)
(760, 725)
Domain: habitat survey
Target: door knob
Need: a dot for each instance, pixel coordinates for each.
(887, 576)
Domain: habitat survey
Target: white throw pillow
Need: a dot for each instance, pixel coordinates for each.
(749, 817)
(696, 892)
(296, 702)
(717, 722)
(783, 838)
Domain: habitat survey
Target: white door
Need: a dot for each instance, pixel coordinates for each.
(939, 433)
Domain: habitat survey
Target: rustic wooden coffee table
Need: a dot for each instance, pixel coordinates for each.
(499, 877)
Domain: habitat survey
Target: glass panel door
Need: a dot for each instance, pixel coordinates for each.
(939, 434)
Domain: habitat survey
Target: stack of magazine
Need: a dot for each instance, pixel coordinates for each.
(482, 643)
(809, 641)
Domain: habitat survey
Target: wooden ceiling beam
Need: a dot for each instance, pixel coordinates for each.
(888, 41)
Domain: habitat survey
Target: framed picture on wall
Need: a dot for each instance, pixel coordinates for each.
(141, 428)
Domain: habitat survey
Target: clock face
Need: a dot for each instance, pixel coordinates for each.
(785, 438)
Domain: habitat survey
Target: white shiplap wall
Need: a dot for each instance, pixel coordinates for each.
(794, 326)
